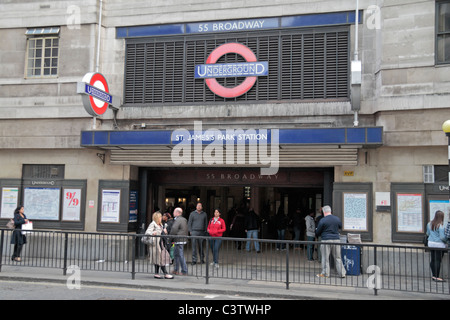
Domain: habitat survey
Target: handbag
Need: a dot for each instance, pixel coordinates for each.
(27, 227)
(149, 240)
(425, 240)
(10, 224)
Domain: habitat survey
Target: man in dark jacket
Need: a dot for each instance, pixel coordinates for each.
(197, 225)
(252, 227)
(179, 228)
(328, 229)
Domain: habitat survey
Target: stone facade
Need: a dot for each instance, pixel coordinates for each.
(403, 90)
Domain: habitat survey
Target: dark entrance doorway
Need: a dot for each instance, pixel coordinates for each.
(291, 189)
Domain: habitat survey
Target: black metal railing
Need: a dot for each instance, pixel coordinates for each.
(372, 266)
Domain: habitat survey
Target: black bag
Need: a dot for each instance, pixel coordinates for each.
(425, 240)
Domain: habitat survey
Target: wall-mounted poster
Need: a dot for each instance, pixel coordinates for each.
(10, 198)
(442, 205)
(355, 212)
(409, 212)
(110, 207)
(42, 203)
(133, 206)
(71, 205)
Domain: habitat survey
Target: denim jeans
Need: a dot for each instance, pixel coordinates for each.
(252, 234)
(215, 243)
(297, 235)
(179, 260)
(310, 248)
(281, 235)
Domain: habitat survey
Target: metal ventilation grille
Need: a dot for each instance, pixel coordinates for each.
(289, 157)
(303, 65)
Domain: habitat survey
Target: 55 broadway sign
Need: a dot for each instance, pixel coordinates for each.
(251, 69)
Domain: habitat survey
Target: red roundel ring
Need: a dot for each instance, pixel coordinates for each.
(96, 107)
(239, 90)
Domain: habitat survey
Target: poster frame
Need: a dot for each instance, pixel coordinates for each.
(366, 228)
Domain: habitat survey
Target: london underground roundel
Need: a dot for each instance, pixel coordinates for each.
(97, 91)
(250, 69)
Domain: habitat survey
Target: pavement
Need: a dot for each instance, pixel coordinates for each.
(216, 286)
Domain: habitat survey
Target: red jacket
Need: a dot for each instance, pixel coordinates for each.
(216, 229)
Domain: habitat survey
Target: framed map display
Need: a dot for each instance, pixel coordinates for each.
(42, 203)
(409, 212)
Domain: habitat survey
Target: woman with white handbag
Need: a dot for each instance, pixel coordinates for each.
(18, 239)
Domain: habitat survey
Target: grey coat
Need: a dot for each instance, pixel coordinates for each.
(179, 228)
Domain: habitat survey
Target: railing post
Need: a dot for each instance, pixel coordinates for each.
(66, 245)
(287, 266)
(448, 269)
(133, 256)
(207, 259)
(375, 289)
(1, 248)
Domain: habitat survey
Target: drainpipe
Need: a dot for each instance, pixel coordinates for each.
(97, 59)
(356, 73)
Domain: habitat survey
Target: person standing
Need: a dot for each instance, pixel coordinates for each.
(296, 221)
(252, 224)
(179, 228)
(158, 254)
(310, 235)
(197, 225)
(18, 239)
(436, 239)
(281, 221)
(328, 229)
(216, 228)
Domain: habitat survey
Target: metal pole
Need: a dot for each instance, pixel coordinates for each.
(207, 257)
(448, 136)
(1, 248)
(135, 240)
(97, 59)
(287, 266)
(375, 289)
(66, 243)
(356, 30)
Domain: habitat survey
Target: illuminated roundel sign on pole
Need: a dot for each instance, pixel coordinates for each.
(251, 69)
(95, 94)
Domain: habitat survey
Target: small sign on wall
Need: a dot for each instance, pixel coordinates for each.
(383, 201)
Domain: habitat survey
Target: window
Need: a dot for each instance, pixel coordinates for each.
(443, 32)
(42, 52)
(304, 64)
(428, 174)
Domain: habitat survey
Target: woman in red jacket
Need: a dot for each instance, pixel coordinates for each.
(216, 228)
